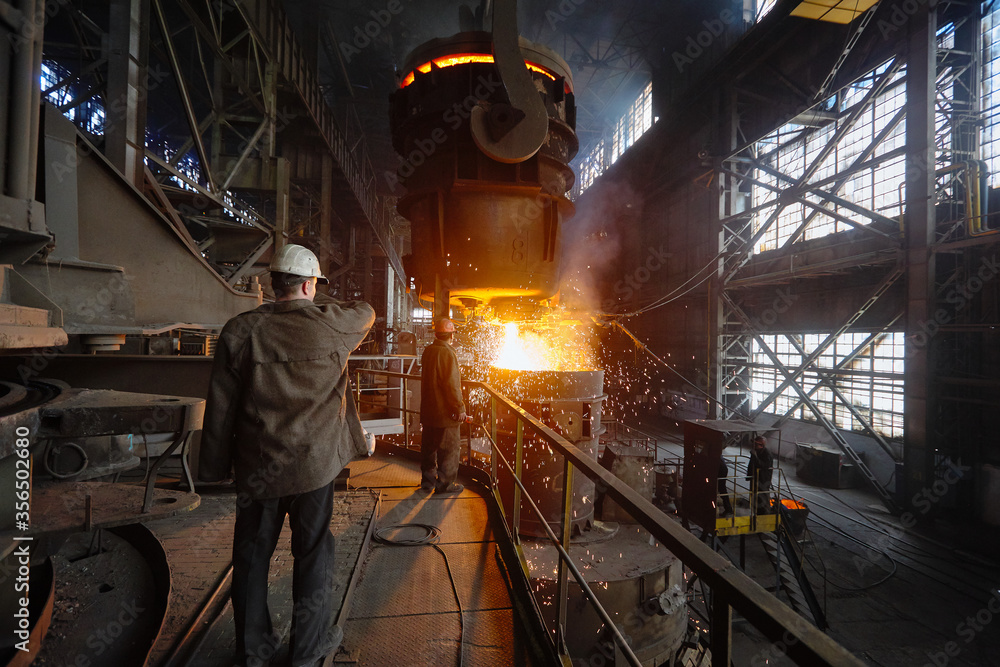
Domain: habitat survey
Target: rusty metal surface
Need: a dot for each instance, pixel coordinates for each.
(703, 447)
(404, 610)
(629, 575)
(402, 581)
(461, 518)
(111, 594)
(62, 507)
(385, 471)
(492, 639)
(97, 412)
(634, 466)
(570, 402)
(453, 189)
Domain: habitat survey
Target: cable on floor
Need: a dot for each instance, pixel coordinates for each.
(433, 532)
(887, 577)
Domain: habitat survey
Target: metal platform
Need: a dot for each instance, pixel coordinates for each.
(405, 610)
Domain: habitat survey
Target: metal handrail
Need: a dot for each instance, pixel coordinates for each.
(564, 556)
(732, 589)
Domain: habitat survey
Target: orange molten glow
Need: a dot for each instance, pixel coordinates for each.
(558, 348)
(792, 505)
(463, 59)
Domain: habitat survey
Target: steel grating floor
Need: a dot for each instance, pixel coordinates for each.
(404, 610)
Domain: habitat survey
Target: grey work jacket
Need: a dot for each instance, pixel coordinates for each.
(440, 386)
(280, 411)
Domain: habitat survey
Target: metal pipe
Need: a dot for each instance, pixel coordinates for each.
(406, 416)
(562, 586)
(25, 90)
(519, 465)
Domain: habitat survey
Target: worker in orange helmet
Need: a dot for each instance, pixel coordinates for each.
(442, 411)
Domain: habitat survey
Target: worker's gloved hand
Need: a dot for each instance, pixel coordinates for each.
(462, 417)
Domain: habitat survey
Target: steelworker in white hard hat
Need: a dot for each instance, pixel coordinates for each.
(281, 414)
(442, 411)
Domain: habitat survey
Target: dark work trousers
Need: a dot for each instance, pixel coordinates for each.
(439, 451)
(258, 526)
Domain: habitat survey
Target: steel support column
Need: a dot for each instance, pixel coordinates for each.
(23, 101)
(728, 203)
(125, 127)
(918, 449)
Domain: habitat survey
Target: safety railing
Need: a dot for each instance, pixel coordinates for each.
(731, 589)
(621, 433)
(743, 490)
(382, 404)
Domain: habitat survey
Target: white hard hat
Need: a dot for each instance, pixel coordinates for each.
(298, 261)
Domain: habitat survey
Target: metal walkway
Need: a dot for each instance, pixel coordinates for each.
(418, 605)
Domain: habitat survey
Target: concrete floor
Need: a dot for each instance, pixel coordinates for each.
(927, 595)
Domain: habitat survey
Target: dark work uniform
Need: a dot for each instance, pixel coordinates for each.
(759, 474)
(281, 414)
(440, 406)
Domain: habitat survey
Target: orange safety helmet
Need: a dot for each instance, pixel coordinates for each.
(444, 325)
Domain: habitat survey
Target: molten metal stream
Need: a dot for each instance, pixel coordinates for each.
(552, 348)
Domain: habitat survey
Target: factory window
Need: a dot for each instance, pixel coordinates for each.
(422, 316)
(763, 7)
(636, 121)
(991, 94)
(871, 382)
(793, 148)
(591, 166)
(87, 114)
(633, 124)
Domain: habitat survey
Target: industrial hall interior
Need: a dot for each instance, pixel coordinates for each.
(605, 332)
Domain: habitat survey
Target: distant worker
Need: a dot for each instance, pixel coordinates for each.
(442, 411)
(727, 505)
(280, 410)
(759, 473)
